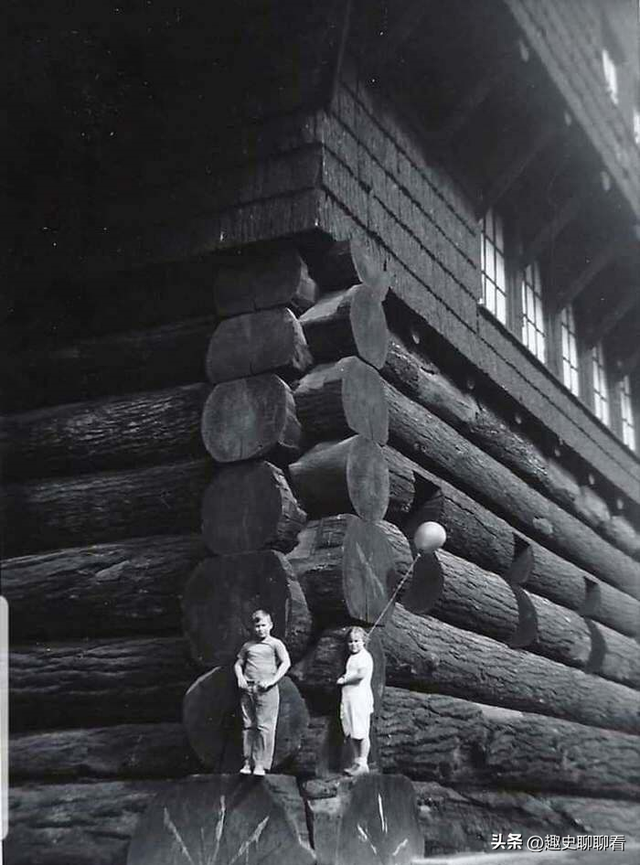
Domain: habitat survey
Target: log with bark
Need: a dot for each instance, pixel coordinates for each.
(112, 433)
(346, 567)
(223, 592)
(339, 399)
(211, 718)
(348, 263)
(100, 590)
(366, 820)
(424, 437)
(95, 682)
(250, 506)
(262, 282)
(108, 506)
(343, 477)
(118, 363)
(454, 741)
(344, 323)
(249, 418)
(257, 342)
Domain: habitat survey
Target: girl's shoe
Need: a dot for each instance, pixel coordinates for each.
(246, 769)
(258, 770)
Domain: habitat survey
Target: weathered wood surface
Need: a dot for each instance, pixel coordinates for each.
(108, 506)
(119, 363)
(100, 590)
(250, 506)
(423, 381)
(345, 323)
(94, 682)
(257, 342)
(343, 477)
(424, 437)
(466, 818)
(84, 824)
(426, 654)
(339, 399)
(366, 820)
(278, 279)
(223, 592)
(249, 418)
(112, 433)
(346, 567)
(454, 741)
(154, 750)
(212, 720)
(477, 600)
(226, 819)
(348, 263)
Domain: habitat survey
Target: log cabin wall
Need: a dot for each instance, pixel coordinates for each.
(107, 474)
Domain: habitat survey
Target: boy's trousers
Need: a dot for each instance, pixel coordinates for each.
(259, 718)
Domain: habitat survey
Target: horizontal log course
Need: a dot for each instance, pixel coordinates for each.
(364, 820)
(248, 418)
(424, 382)
(88, 824)
(348, 263)
(342, 398)
(212, 721)
(454, 741)
(94, 682)
(424, 437)
(344, 323)
(257, 342)
(223, 592)
(112, 433)
(117, 363)
(346, 567)
(277, 279)
(158, 750)
(100, 590)
(477, 600)
(343, 477)
(466, 818)
(426, 654)
(108, 506)
(250, 506)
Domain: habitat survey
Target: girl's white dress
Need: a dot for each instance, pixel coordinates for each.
(356, 704)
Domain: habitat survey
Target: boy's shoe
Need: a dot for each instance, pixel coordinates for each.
(351, 770)
(357, 769)
(246, 769)
(258, 770)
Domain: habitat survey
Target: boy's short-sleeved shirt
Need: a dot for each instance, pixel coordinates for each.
(260, 658)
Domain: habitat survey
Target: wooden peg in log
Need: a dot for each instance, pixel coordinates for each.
(347, 263)
(224, 819)
(366, 820)
(350, 322)
(340, 477)
(278, 279)
(267, 341)
(223, 592)
(249, 507)
(346, 568)
(251, 417)
(342, 398)
(211, 717)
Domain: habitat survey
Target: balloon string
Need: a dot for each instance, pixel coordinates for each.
(394, 595)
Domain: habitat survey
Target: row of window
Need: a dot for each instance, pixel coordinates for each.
(517, 300)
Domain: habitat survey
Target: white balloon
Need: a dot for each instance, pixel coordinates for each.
(429, 537)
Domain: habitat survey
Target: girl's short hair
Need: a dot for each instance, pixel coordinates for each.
(357, 632)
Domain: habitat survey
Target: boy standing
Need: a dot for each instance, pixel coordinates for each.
(261, 663)
(356, 703)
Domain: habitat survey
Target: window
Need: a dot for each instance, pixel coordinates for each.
(533, 331)
(492, 253)
(569, 350)
(626, 413)
(610, 75)
(600, 390)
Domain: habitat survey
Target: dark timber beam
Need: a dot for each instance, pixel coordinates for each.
(404, 27)
(504, 181)
(551, 229)
(615, 314)
(602, 259)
